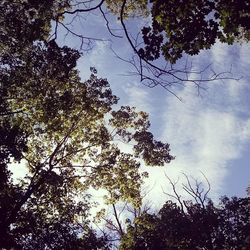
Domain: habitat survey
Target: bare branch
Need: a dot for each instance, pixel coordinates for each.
(176, 195)
(107, 24)
(83, 10)
(117, 220)
(84, 39)
(179, 76)
(198, 193)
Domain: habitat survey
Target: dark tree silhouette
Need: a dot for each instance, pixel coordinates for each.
(211, 227)
(191, 26)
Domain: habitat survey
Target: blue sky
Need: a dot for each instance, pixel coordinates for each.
(209, 132)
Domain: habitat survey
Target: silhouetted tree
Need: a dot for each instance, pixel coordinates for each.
(213, 227)
(190, 26)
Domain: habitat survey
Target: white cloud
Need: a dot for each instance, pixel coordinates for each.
(205, 134)
(219, 52)
(138, 97)
(98, 54)
(203, 138)
(203, 141)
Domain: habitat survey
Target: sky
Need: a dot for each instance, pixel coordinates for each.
(208, 131)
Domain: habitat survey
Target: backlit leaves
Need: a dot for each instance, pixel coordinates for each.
(65, 131)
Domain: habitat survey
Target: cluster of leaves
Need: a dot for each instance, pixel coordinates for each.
(25, 21)
(209, 227)
(190, 26)
(65, 131)
(132, 8)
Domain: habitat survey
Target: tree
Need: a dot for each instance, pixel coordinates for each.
(66, 133)
(223, 227)
(191, 26)
(150, 44)
(191, 224)
(72, 129)
(26, 21)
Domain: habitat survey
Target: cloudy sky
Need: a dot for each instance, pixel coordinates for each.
(209, 131)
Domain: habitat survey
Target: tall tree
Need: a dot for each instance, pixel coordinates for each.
(72, 131)
(64, 133)
(213, 227)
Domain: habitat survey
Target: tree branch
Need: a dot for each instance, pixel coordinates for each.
(83, 10)
(168, 70)
(117, 220)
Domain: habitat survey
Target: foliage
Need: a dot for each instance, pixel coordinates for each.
(66, 133)
(132, 8)
(223, 227)
(25, 21)
(190, 26)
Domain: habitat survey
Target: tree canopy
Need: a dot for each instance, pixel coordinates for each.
(166, 30)
(213, 227)
(65, 133)
(180, 27)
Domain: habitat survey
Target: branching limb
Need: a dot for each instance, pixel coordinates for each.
(107, 24)
(196, 191)
(121, 232)
(83, 10)
(179, 76)
(176, 195)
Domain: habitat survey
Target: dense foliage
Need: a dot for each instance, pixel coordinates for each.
(224, 227)
(63, 132)
(190, 26)
(132, 8)
(65, 135)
